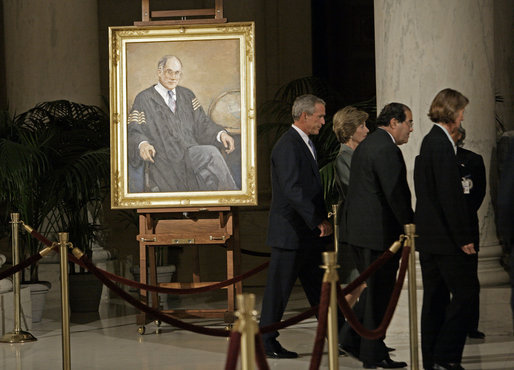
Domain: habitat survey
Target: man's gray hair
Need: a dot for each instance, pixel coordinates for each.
(305, 103)
(162, 62)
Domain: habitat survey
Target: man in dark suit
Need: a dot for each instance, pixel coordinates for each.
(297, 221)
(472, 172)
(445, 243)
(376, 208)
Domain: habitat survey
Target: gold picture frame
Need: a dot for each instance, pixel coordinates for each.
(217, 71)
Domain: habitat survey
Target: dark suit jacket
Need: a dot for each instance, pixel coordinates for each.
(471, 166)
(441, 220)
(378, 203)
(297, 205)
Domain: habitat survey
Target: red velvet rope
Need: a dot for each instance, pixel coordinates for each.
(158, 289)
(283, 324)
(260, 356)
(207, 288)
(149, 310)
(321, 331)
(20, 266)
(381, 329)
(368, 272)
(41, 238)
(289, 322)
(234, 347)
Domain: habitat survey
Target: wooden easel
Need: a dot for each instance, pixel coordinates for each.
(189, 227)
(196, 16)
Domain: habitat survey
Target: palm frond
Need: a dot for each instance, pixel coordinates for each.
(55, 167)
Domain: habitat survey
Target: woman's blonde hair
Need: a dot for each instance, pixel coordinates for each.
(346, 121)
(446, 106)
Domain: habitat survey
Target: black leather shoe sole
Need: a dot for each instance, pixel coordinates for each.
(283, 353)
(444, 366)
(385, 364)
(476, 334)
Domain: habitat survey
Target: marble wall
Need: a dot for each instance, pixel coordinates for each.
(51, 52)
(423, 47)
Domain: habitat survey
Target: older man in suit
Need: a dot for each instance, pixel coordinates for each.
(376, 208)
(445, 243)
(297, 220)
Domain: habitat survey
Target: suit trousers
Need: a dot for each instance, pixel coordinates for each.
(285, 267)
(475, 314)
(372, 304)
(210, 168)
(450, 292)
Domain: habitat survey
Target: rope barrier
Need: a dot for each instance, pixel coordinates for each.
(321, 331)
(107, 279)
(102, 275)
(20, 266)
(381, 329)
(207, 288)
(260, 355)
(153, 288)
(289, 322)
(149, 310)
(234, 347)
(367, 273)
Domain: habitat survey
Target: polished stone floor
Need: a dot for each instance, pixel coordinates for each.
(109, 339)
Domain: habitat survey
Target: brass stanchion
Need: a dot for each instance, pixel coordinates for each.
(336, 227)
(17, 335)
(65, 306)
(330, 261)
(247, 326)
(410, 230)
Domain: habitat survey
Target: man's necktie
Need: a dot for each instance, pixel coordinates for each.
(311, 144)
(171, 101)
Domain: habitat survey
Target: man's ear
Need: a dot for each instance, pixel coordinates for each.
(393, 122)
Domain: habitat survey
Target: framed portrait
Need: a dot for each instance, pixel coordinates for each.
(182, 109)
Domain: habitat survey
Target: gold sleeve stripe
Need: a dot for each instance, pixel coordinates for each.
(196, 103)
(137, 117)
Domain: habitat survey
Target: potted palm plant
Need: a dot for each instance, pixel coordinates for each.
(55, 172)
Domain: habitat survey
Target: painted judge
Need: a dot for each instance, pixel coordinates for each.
(173, 145)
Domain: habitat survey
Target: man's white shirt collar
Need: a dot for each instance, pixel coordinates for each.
(164, 92)
(449, 137)
(305, 138)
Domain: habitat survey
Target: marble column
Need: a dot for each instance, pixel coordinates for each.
(423, 47)
(51, 52)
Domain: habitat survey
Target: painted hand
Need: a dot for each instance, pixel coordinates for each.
(147, 151)
(228, 142)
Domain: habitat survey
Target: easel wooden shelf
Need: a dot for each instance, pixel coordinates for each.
(187, 16)
(189, 227)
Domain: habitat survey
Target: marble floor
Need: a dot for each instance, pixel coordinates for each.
(109, 339)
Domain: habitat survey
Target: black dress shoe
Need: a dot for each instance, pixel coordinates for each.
(386, 363)
(447, 366)
(475, 334)
(280, 352)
